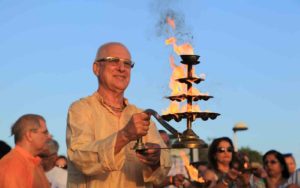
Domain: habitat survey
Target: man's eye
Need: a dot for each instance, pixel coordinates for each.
(127, 63)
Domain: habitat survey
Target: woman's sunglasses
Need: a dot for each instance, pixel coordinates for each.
(223, 149)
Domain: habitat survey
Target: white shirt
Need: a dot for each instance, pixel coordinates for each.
(57, 177)
(294, 178)
(177, 168)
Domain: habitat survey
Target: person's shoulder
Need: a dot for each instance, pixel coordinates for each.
(294, 178)
(12, 163)
(83, 102)
(134, 107)
(58, 172)
(210, 175)
(57, 176)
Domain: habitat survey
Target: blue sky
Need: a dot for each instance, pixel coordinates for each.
(249, 52)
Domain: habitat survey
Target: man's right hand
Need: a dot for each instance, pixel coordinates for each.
(137, 126)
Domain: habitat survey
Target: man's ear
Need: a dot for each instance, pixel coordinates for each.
(28, 135)
(96, 68)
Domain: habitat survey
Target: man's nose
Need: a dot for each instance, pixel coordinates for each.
(50, 136)
(121, 66)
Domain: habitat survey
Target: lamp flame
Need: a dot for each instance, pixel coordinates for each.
(180, 72)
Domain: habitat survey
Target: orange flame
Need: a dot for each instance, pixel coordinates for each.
(192, 171)
(171, 22)
(173, 108)
(179, 72)
(184, 49)
(189, 108)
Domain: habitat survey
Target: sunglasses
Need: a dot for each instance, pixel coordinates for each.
(115, 61)
(271, 162)
(223, 149)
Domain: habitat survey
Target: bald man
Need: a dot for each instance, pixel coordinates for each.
(103, 128)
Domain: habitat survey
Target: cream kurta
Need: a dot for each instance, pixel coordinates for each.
(91, 137)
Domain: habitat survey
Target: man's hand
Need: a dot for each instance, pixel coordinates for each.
(150, 157)
(137, 127)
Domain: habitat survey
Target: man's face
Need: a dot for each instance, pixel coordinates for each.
(48, 159)
(114, 76)
(39, 137)
(290, 162)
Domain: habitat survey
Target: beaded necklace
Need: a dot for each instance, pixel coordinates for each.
(116, 109)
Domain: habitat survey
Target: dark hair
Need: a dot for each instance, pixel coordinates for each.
(4, 148)
(65, 158)
(213, 148)
(280, 158)
(25, 123)
(287, 155)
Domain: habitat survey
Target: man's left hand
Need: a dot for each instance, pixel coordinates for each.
(151, 156)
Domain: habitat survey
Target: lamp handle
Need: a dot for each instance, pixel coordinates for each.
(140, 146)
(163, 122)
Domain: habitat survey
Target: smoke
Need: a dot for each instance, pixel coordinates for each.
(168, 9)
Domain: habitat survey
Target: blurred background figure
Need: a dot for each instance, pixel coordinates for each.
(290, 162)
(201, 166)
(229, 169)
(276, 168)
(178, 174)
(62, 162)
(21, 167)
(294, 180)
(4, 148)
(164, 135)
(56, 176)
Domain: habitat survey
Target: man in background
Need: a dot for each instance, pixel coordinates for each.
(56, 176)
(21, 166)
(290, 162)
(177, 176)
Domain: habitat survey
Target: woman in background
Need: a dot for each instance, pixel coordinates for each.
(276, 169)
(224, 172)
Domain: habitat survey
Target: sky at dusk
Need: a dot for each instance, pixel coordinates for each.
(249, 53)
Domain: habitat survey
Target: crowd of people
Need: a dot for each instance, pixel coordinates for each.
(102, 130)
(31, 163)
(226, 168)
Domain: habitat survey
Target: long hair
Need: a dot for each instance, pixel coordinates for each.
(213, 148)
(280, 158)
